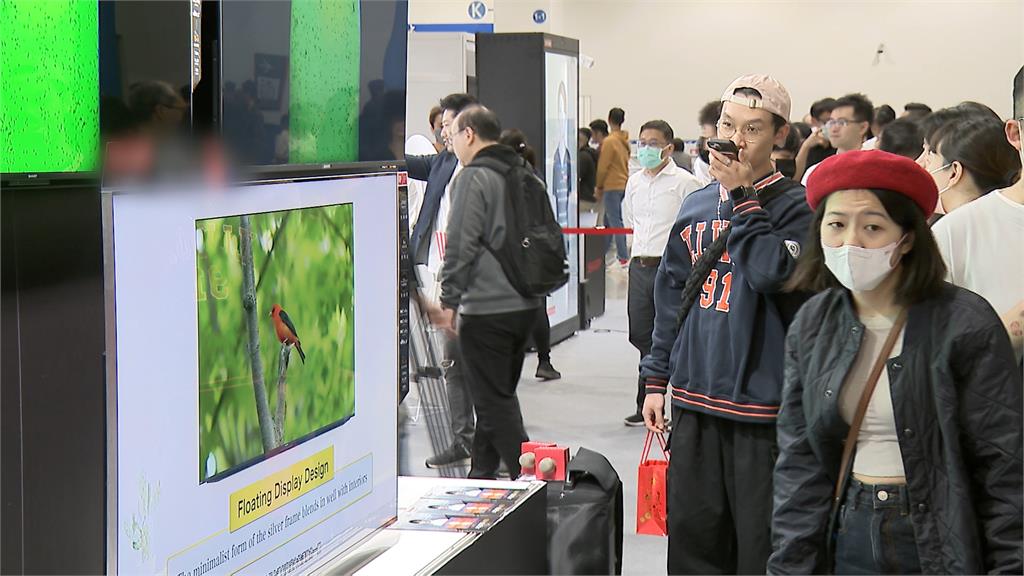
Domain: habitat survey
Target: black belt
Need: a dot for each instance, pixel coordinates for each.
(647, 261)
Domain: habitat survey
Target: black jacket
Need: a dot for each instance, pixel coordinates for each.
(587, 173)
(956, 395)
(436, 170)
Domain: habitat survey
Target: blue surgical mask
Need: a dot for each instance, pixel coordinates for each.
(649, 157)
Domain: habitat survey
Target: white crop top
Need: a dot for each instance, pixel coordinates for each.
(878, 448)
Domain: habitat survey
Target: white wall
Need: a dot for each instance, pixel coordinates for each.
(437, 67)
(667, 58)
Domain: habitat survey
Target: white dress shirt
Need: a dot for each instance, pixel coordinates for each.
(651, 204)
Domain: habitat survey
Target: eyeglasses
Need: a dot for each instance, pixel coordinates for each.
(751, 132)
(841, 122)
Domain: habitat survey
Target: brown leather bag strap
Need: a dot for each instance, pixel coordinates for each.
(865, 399)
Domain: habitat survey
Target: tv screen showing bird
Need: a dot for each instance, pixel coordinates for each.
(276, 305)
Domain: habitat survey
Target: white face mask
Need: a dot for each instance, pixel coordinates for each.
(860, 269)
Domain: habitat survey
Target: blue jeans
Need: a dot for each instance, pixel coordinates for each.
(876, 535)
(613, 219)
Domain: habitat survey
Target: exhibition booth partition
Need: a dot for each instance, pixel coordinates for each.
(517, 76)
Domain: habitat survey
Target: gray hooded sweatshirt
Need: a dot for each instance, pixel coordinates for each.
(472, 278)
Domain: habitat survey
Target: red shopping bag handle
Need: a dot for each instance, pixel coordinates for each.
(650, 441)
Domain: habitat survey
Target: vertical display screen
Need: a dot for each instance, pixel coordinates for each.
(560, 102)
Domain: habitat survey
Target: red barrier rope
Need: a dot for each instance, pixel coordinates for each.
(602, 231)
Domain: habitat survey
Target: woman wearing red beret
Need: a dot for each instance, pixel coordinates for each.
(900, 430)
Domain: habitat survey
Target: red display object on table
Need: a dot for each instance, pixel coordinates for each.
(549, 460)
(559, 455)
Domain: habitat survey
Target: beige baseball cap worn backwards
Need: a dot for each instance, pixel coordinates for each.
(774, 96)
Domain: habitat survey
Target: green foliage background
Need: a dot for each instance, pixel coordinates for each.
(302, 260)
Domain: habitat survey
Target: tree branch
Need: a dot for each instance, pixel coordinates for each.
(282, 381)
(253, 330)
(270, 253)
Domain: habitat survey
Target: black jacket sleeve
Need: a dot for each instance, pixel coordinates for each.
(766, 246)
(989, 394)
(803, 492)
(419, 167)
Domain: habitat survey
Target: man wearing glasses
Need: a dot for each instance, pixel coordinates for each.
(652, 200)
(720, 321)
(848, 127)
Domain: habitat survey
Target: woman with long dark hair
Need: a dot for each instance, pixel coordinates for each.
(515, 139)
(900, 428)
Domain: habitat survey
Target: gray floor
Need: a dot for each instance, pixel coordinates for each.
(585, 408)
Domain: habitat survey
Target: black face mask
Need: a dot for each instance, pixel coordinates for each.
(786, 166)
(702, 150)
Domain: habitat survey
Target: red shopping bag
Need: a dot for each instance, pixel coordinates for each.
(651, 512)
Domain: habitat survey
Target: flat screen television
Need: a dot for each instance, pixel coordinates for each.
(49, 88)
(314, 82)
(254, 355)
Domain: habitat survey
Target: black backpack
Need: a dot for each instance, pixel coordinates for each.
(533, 255)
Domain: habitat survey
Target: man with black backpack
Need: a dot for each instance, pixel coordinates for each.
(494, 287)
(720, 321)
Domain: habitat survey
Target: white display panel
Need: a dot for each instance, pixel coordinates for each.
(561, 99)
(193, 497)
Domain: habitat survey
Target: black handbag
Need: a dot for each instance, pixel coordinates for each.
(585, 518)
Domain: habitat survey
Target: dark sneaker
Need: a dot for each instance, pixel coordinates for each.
(455, 455)
(545, 371)
(633, 420)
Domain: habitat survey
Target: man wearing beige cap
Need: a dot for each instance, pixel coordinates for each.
(720, 321)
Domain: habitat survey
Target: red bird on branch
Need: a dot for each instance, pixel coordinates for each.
(285, 330)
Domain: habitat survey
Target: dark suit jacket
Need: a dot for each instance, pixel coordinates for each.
(436, 170)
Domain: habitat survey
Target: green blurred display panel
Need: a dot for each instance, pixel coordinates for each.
(325, 58)
(49, 85)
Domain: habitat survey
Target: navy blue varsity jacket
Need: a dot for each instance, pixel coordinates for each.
(727, 359)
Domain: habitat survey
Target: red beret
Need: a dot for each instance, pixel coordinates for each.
(873, 169)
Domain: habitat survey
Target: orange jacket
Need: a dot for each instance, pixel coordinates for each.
(613, 163)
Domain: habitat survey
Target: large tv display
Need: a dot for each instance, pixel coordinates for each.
(314, 82)
(253, 408)
(560, 103)
(290, 257)
(49, 87)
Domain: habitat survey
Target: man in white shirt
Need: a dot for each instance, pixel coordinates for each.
(848, 127)
(981, 241)
(650, 205)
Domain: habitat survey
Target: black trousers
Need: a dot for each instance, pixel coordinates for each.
(640, 308)
(719, 495)
(493, 348)
(542, 335)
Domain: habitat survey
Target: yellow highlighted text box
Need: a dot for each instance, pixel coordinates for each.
(263, 497)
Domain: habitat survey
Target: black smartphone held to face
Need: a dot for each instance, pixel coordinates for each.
(723, 146)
